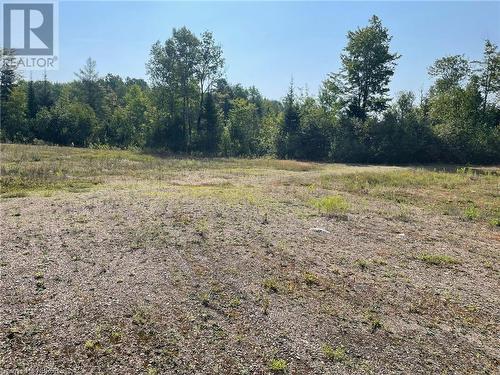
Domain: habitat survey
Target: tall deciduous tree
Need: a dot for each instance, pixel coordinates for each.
(172, 68)
(450, 72)
(367, 67)
(14, 119)
(209, 66)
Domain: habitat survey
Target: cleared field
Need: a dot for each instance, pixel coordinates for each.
(122, 262)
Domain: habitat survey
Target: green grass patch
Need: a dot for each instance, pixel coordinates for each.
(471, 213)
(278, 365)
(337, 354)
(437, 260)
(331, 205)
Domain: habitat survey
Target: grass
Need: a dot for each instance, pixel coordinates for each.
(462, 194)
(228, 245)
(278, 365)
(271, 285)
(362, 264)
(495, 222)
(44, 171)
(331, 206)
(471, 213)
(437, 260)
(310, 279)
(337, 354)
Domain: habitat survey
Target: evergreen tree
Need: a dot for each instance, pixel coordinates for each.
(32, 104)
(45, 96)
(8, 74)
(288, 136)
(212, 137)
(90, 88)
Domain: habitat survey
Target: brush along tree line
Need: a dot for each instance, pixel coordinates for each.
(189, 107)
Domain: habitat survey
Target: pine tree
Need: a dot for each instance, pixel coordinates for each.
(288, 137)
(32, 105)
(45, 98)
(8, 75)
(212, 129)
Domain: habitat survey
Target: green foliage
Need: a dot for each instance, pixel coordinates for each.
(14, 116)
(191, 108)
(278, 365)
(332, 205)
(471, 213)
(271, 285)
(337, 354)
(450, 72)
(243, 127)
(367, 67)
(288, 140)
(437, 260)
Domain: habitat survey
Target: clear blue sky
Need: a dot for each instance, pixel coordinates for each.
(266, 43)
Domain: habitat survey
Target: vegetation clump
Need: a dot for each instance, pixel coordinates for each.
(331, 206)
(337, 354)
(437, 260)
(278, 365)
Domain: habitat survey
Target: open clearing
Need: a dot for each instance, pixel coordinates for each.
(121, 262)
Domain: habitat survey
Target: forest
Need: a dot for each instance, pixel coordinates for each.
(187, 106)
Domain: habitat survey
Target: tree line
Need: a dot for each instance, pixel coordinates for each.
(189, 107)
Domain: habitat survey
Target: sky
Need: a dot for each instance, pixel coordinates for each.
(266, 43)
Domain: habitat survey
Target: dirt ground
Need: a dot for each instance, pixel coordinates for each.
(226, 267)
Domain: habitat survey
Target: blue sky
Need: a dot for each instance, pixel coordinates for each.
(266, 43)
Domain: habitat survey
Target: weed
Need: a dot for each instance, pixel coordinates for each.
(471, 213)
(376, 324)
(495, 222)
(404, 214)
(331, 206)
(278, 365)
(39, 275)
(115, 336)
(92, 345)
(40, 286)
(310, 279)
(337, 354)
(437, 260)
(362, 263)
(235, 302)
(140, 317)
(266, 302)
(271, 285)
(201, 228)
(205, 299)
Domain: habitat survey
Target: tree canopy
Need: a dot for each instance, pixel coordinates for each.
(188, 106)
